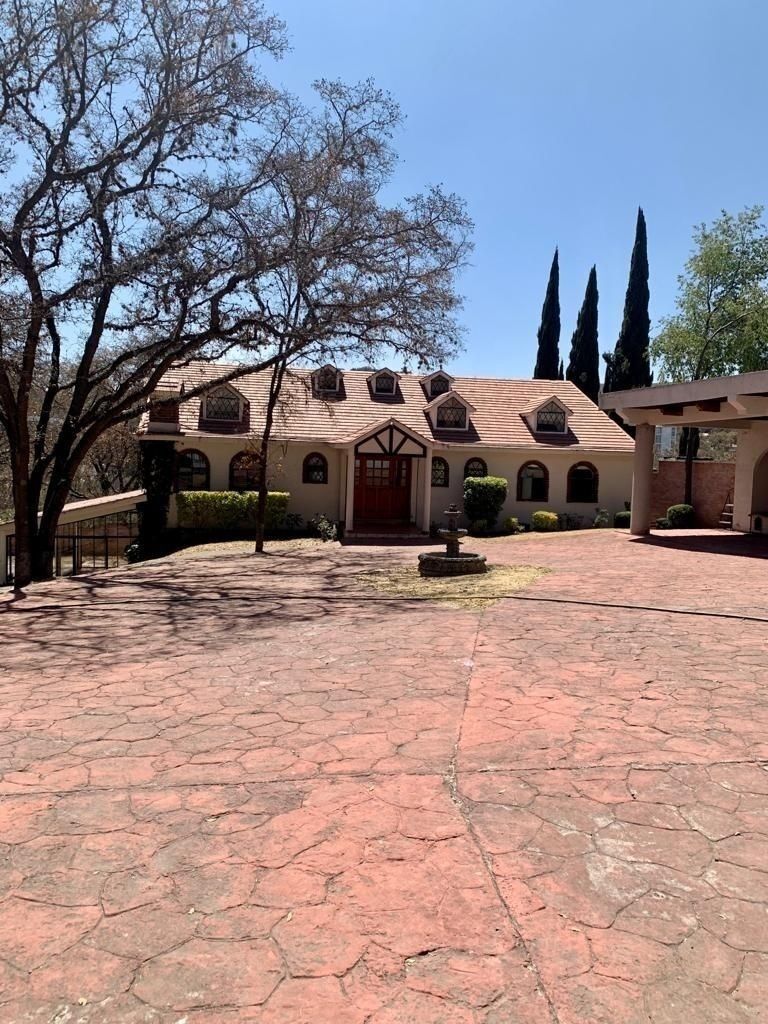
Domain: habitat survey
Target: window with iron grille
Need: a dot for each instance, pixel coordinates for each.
(550, 419)
(452, 415)
(192, 471)
(315, 469)
(439, 472)
(244, 472)
(533, 482)
(384, 384)
(583, 483)
(222, 404)
(439, 385)
(475, 467)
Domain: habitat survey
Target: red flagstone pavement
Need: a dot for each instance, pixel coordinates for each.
(250, 790)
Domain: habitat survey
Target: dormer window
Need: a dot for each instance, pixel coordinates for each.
(551, 419)
(223, 404)
(452, 415)
(327, 380)
(384, 384)
(436, 384)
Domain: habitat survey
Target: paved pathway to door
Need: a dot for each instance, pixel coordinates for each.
(244, 790)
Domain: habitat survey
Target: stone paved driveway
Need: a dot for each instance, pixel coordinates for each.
(242, 790)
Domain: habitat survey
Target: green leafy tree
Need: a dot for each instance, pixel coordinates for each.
(629, 365)
(548, 353)
(584, 363)
(720, 325)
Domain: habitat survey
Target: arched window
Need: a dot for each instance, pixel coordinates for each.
(439, 472)
(315, 470)
(533, 482)
(244, 472)
(452, 415)
(193, 471)
(475, 467)
(583, 480)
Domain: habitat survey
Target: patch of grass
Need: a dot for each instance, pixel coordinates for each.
(245, 547)
(454, 591)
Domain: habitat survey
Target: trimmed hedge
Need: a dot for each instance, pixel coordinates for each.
(680, 516)
(544, 522)
(229, 510)
(484, 498)
(621, 520)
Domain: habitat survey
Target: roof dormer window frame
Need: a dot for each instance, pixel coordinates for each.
(427, 383)
(543, 420)
(320, 379)
(213, 414)
(454, 397)
(384, 372)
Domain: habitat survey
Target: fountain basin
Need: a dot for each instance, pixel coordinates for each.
(465, 564)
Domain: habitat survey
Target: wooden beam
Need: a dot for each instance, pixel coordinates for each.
(672, 410)
(710, 405)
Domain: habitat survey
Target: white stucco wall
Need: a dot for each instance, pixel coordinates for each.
(285, 474)
(750, 495)
(286, 461)
(614, 488)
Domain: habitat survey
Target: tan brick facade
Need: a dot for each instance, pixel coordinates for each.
(712, 485)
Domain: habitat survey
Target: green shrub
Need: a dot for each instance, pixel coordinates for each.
(662, 524)
(512, 525)
(479, 528)
(544, 522)
(621, 520)
(323, 527)
(484, 498)
(602, 518)
(229, 510)
(680, 516)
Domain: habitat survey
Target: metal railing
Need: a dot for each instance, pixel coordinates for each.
(87, 545)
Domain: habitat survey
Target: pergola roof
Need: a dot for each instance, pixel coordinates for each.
(729, 402)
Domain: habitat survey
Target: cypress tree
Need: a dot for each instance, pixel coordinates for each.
(584, 363)
(548, 354)
(630, 364)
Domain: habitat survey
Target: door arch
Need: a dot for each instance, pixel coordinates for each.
(760, 494)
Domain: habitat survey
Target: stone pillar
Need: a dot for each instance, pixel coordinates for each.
(642, 476)
(350, 495)
(426, 492)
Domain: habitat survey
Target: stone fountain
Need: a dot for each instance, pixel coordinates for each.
(453, 562)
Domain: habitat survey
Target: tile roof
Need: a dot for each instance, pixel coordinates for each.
(497, 419)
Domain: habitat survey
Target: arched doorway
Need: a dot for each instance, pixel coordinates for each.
(760, 495)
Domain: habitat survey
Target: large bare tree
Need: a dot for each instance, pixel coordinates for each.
(144, 223)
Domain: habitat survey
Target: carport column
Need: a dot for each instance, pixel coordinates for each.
(426, 493)
(349, 510)
(642, 476)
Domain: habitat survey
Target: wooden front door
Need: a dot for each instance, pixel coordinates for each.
(382, 489)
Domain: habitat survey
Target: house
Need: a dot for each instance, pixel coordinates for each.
(387, 449)
(732, 403)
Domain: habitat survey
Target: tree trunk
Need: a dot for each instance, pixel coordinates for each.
(25, 519)
(691, 441)
(278, 372)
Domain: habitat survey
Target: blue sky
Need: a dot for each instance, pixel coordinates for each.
(554, 119)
